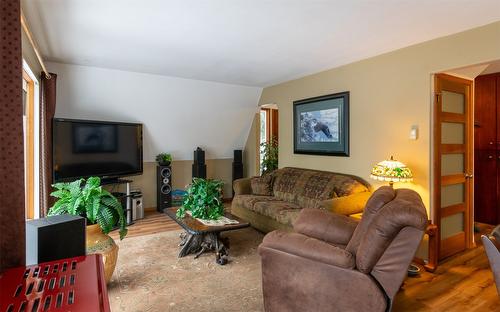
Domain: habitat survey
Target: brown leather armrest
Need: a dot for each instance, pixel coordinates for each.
(306, 247)
(324, 225)
(242, 186)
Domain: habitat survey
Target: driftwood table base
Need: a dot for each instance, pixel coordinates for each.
(199, 243)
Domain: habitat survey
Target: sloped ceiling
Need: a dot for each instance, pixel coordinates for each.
(255, 43)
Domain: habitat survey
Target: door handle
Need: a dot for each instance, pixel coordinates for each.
(468, 176)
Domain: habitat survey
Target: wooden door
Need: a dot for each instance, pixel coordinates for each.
(486, 143)
(485, 113)
(485, 186)
(453, 149)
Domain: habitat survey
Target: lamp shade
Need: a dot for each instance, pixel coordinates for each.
(391, 171)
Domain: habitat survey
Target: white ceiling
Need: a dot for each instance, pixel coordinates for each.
(248, 42)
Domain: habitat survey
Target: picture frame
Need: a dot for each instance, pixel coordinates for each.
(321, 125)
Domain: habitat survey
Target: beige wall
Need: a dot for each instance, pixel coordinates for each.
(388, 94)
(181, 176)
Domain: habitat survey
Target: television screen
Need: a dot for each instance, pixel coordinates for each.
(84, 148)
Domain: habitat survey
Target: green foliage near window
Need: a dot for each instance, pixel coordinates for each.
(164, 158)
(270, 160)
(204, 199)
(91, 201)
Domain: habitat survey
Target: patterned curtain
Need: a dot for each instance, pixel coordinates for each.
(47, 111)
(12, 211)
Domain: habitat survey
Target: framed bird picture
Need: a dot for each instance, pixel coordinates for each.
(321, 125)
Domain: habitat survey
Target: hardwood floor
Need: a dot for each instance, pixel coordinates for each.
(153, 222)
(461, 283)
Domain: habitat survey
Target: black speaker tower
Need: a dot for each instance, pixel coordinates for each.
(199, 167)
(237, 165)
(163, 187)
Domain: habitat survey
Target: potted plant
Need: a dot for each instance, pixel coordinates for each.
(164, 159)
(102, 211)
(203, 200)
(270, 160)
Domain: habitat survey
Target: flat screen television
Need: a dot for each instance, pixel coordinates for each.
(84, 148)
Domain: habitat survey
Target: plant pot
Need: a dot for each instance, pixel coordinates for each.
(100, 243)
(164, 163)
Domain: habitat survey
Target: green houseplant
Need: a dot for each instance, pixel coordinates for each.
(164, 159)
(204, 199)
(269, 161)
(102, 211)
(91, 201)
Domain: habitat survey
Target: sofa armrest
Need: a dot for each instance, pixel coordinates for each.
(242, 186)
(326, 226)
(306, 247)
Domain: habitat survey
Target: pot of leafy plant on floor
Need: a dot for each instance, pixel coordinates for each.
(102, 211)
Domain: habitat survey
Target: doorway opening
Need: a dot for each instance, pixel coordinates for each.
(466, 156)
(268, 137)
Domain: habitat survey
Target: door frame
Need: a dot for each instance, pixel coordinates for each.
(32, 174)
(468, 154)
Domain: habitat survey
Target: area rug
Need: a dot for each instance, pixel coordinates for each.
(150, 277)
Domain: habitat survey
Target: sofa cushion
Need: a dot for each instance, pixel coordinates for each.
(281, 211)
(262, 185)
(308, 188)
(248, 201)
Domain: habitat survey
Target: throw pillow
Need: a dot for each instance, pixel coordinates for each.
(350, 204)
(262, 185)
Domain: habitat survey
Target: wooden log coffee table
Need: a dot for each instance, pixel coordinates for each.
(200, 238)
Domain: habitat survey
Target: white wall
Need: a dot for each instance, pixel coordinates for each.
(178, 114)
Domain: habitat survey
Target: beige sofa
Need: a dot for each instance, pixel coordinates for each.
(275, 201)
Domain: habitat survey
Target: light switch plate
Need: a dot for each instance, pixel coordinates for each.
(414, 132)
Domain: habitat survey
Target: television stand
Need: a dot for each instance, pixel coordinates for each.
(128, 205)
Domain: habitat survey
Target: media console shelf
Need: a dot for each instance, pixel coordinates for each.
(128, 195)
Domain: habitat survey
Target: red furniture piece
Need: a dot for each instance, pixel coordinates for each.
(73, 284)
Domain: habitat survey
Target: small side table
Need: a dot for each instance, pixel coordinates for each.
(200, 238)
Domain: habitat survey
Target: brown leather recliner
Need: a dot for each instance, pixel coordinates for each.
(333, 263)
